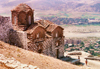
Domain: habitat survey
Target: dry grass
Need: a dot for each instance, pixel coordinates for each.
(3, 66)
(35, 59)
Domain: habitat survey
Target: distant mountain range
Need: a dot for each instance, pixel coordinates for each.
(60, 5)
(67, 5)
(57, 9)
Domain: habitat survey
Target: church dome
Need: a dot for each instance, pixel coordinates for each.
(22, 7)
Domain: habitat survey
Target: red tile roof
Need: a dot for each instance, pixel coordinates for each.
(45, 23)
(47, 35)
(51, 27)
(48, 25)
(33, 27)
(22, 7)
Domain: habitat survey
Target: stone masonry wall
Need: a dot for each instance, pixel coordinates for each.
(60, 47)
(47, 47)
(51, 49)
(18, 38)
(5, 26)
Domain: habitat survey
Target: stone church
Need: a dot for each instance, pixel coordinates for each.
(42, 36)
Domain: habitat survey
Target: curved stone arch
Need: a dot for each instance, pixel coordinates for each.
(58, 32)
(14, 14)
(30, 12)
(34, 32)
(29, 17)
(40, 48)
(22, 18)
(15, 20)
(58, 43)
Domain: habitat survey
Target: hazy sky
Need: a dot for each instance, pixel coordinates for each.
(7, 5)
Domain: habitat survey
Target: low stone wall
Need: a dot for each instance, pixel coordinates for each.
(18, 38)
(93, 58)
(75, 53)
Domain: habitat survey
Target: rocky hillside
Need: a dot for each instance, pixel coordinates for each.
(9, 54)
(66, 5)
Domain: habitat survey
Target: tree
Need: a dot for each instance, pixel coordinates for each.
(66, 46)
(72, 49)
(82, 44)
(91, 47)
(92, 52)
(72, 45)
(99, 42)
(87, 48)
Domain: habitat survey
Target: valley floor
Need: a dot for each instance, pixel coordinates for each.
(81, 31)
(81, 35)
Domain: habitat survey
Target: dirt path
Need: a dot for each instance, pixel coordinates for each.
(92, 64)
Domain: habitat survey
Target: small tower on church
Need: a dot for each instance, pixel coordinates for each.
(22, 17)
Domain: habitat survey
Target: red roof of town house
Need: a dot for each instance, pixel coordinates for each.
(68, 49)
(96, 45)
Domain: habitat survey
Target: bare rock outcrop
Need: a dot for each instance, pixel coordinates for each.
(14, 64)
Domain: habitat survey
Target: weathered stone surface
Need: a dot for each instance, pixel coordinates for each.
(5, 25)
(18, 38)
(22, 17)
(13, 63)
(49, 47)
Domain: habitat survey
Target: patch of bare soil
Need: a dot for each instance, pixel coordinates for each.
(32, 58)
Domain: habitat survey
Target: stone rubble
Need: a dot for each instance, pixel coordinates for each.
(11, 62)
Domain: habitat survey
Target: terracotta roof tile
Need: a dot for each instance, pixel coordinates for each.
(48, 25)
(45, 23)
(22, 7)
(52, 27)
(33, 27)
(47, 35)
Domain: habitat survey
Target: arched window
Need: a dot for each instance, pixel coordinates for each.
(56, 34)
(29, 19)
(15, 20)
(38, 35)
(56, 43)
